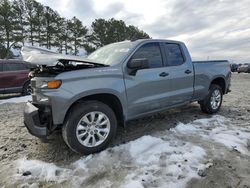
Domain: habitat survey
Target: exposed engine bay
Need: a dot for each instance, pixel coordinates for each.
(61, 66)
(47, 63)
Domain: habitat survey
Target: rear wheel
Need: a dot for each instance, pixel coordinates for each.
(27, 90)
(89, 127)
(212, 103)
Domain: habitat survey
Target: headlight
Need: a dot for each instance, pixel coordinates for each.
(53, 84)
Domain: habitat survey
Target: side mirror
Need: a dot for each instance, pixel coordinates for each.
(136, 64)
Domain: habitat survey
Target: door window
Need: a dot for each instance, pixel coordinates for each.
(152, 52)
(174, 54)
(14, 67)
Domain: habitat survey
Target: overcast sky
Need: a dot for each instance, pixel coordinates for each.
(214, 29)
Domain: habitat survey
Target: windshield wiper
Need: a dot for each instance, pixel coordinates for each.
(98, 64)
(84, 63)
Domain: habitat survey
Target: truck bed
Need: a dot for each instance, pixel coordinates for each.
(205, 71)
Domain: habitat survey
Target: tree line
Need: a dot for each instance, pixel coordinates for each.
(29, 22)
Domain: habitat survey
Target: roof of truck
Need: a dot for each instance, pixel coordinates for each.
(159, 40)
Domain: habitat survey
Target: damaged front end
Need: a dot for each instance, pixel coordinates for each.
(38, 120)
(38, 114)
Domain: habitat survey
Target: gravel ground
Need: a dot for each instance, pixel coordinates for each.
(229, 169)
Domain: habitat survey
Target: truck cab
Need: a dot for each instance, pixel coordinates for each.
(167, 81)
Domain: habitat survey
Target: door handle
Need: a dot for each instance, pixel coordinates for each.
(188, 71)
(163, 74)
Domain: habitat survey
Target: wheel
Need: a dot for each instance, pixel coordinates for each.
(89, 127)
(212, 103)
(27, 90)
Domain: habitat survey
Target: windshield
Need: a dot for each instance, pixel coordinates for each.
(112, 53)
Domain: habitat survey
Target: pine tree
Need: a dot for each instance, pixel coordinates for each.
(39, 22)
(19, 11)
(134, 33)
(78, 32)
(67, 37)
(9, 28)
(50, 17)
(60, 32)
(108, 31)
(116, 30)
(99, 34)
(30, 15)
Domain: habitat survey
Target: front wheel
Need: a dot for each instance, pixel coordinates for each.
(89, 127)
(212, 103)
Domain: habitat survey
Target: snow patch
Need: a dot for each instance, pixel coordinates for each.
(164, 160)
(45, 171)
(16, 99)
(160, 163)
(147, 161)
(220, 130)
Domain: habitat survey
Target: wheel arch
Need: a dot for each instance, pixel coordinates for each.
(24, 84)
(107, 98)
(220, 81)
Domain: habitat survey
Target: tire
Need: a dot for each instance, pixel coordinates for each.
(212, 104)
(27, 90)
(77, 125)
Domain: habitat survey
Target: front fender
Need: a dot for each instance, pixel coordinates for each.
(61, 105)
(120, 95)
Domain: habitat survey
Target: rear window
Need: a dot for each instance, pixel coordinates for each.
(14, 67)
(174, 54)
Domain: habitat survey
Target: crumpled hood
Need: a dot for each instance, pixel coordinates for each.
(39, 56)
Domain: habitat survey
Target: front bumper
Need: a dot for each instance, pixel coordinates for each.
(33, 123)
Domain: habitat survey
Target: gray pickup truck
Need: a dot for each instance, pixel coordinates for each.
(87, 98)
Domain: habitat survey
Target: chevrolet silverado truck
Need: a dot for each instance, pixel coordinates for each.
(87, 98)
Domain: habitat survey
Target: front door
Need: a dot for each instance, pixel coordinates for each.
(149, 88)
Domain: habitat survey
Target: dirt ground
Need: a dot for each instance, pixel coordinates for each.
(229, 169)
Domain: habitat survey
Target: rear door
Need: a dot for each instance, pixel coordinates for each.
(182, 74)
(14, 76)
(148, 89)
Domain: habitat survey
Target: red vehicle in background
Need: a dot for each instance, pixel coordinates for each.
(14, 77)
